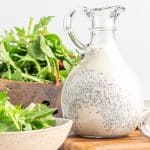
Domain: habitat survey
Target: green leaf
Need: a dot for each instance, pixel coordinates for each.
(28, 58)
(16, 75)
(33, 54)
(30, 25)
(4, 56)
(67, 66)
(42, 23)
(63, 75)
(3, 97)
(14, 118)
(53, 39)
(5, 75)
(45, 48)
(46, 74)
(35, 50)
(20, 31)
(31, 78)
(6, 125)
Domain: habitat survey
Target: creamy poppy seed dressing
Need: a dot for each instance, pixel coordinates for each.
(102, 94)
(99, 103)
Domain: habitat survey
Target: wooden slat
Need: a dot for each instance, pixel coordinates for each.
(25, 93)
(135, 141)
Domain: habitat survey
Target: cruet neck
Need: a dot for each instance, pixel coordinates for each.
(105, 18)
(103, 25)
(102, 39)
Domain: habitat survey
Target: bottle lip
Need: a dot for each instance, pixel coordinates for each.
(111, 7)
(113, 11)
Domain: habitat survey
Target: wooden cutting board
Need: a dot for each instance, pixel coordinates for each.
(135, 141)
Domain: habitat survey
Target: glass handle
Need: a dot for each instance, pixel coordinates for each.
(68, 26)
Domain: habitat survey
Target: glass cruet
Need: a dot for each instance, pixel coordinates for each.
(102, 94)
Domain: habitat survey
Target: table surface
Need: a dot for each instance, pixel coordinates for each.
(135, 141)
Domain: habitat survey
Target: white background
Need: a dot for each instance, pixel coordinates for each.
(133, 26)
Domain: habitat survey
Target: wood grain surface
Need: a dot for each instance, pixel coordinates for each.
(135, 141)
(25, 93)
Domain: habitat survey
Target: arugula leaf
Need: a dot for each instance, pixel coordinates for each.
(16, 75)
(63, 75)
(29, 25)
(34, 54)
(53, 39)
(3, 97)
(45, 48)
(20, 31)
(35, 50)
(14, 118)
(4, 56)
(67, 65)
(42, 23)
(29, 58)
(46, 74)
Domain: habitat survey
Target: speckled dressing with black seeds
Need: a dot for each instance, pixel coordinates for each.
(102, 95)
(98, 105)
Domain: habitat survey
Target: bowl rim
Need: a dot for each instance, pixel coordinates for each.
(67, 121)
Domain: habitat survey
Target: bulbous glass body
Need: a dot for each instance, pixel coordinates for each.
(102, 94)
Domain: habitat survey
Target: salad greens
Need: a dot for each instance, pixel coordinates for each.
(34, 54)
(15, 118)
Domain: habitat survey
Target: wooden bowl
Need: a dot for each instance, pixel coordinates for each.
(25, 93)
